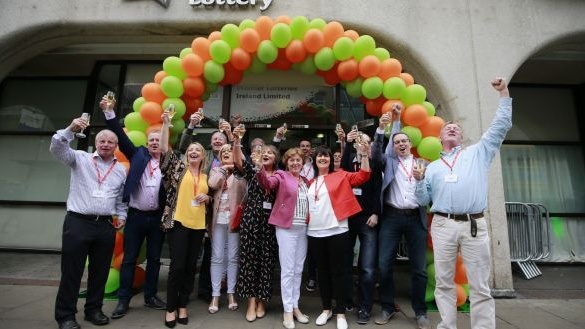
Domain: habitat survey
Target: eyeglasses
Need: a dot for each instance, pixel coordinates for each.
(401, 141)
(337, 156)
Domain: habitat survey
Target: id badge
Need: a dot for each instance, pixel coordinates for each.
(194, 203)
(98, 194)
(266, 205)
(357, 191)
(451, 178)
(150, 182)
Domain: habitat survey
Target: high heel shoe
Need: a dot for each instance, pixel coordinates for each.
(260, 310)
(232, 303)
(251, 311)
(214, 305)
(171, 323)
(184, 320)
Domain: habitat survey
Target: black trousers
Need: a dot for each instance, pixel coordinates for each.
(204, 284)
(84, 239)
(184, 245)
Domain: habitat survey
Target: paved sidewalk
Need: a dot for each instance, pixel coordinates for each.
(28, 286)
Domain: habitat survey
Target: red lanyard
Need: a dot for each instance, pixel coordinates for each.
(152, 168)
(318, 187)
(101, 179)
(195, 184)
(304, 172)
(408, 174)
(454, 160)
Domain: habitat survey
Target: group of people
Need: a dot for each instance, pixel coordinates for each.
(247, 212)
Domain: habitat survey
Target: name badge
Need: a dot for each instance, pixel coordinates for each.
(357, 191)
(267, 205)
(224, 196)
(451, 178)
(313, 208)
(194, 203)
(99, 194)
(151, 182)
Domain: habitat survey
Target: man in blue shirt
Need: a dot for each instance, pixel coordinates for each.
(456, 184)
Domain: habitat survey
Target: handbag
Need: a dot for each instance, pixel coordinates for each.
(237, 217)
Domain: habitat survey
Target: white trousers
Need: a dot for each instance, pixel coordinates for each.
(221, 241)
(448, 236)
(292, 250)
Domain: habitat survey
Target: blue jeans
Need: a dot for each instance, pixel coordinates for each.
(366, 260)
(141, 225)
(392, 228)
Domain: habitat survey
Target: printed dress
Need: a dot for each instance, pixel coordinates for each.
(258, 246)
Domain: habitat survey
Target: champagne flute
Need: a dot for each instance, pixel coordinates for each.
(200, 111)
(221, 121)
(284, 130)
(358, 140)
(85, 116)
(110, 99)
(421, 164)
(338, 131)
(241, 130)
(171, 114)
(257, 153)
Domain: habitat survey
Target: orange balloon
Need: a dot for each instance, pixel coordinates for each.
(414, 115)
(194, 87)
(353, 35)
(249, 40)
(390, 67)
(387, 107)
(264, 26)
(139, 277)
(152, 92)
(283, 19)
(295, 51)
(461, 295)
(369, 66)
(214, 36)
(192, 64)
(119, 244)
(460, 274)
(151, 112)
(408, 79)
(332, 31)
(192, 104)
(200, 46)
(313, 40)
(159, 76)
(154, 127)
(374, 106)
(126, 165)
(348, 70)
(240, 59)
(459, 261)
(117, 262)
(119, 155)
(432, 126)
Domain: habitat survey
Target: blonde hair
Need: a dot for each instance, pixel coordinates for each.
(291, 152)
(224, 148)
(203, 164)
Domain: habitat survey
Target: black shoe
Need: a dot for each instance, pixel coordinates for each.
(171, 324)
(98, 318)
(363, 317)
(120, 310)
(156, 303)
(69, 324)
(311, 285)
(183, 320)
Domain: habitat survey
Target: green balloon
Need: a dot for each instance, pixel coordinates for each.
(394, 87)
(430, 256)
(558, 227)
(173, 138)
(230, 33)
(267, 52)
(364, 46)
(299, 26)
(343, 48)
(307, 66)
(138, 138)
(172, 86)
(466, 288)
(134, 121)
(138, 102)
(178, 124)
(213, 71)
(430, 108)
(172, 65)
(257, 66)
(382, 54)
(414, 134)
(431, 273)
(281, 35)
(185, 52)
(372, 87)
(430, 148)
(113, 282)
(211, 86)
(220, 51)
(429, 294)
(247, 24)
(180, 106)
(354, 88)
(414, 94)
(317, 23)
(324, 59)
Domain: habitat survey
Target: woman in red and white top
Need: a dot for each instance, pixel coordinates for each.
(331, 202)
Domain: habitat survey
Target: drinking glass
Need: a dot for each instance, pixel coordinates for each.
(338, 131)
(172, 112)
(241, 130)
(200, 111)
(284, 130)
(221, 121)
(110, 99)
(86, 117)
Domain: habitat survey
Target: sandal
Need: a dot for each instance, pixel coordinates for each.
(232, 303)
(214, 305)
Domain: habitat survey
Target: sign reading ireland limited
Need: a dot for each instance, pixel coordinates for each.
(232, 3)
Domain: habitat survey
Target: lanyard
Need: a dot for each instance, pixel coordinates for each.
(454, 160)
(101, 179)
(152, 168)
(306, 172)
(196, 184)
(318, 187)
(408, 174)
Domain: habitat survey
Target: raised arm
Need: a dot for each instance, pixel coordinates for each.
(396, 125)
(125, 144)
(164, 134)
(60, 142)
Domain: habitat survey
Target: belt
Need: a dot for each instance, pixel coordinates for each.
(145, 212)
(465, 218)
(95, 218)
(402, 212)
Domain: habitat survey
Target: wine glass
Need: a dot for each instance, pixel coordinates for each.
(85, 116)
(338, 132)
(221, 121)
(200, 111)
(171, 114)
(110, 99)
(241, 130)
(257, 153)
(358, 140)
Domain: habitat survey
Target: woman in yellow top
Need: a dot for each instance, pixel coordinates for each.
(183, 219)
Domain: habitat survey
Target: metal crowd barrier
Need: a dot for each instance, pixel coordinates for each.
(529, 235)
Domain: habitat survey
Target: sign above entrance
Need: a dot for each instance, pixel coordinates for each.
(232, 3)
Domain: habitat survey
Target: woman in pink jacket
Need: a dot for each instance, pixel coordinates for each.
(228, 191)
(289, 216)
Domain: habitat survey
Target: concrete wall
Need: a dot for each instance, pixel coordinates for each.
(453, 48)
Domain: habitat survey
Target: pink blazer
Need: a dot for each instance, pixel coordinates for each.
(287, 190)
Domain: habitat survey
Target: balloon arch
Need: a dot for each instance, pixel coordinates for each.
(309, 46)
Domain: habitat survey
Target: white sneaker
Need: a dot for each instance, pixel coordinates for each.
(341, 323)
(323, 318)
